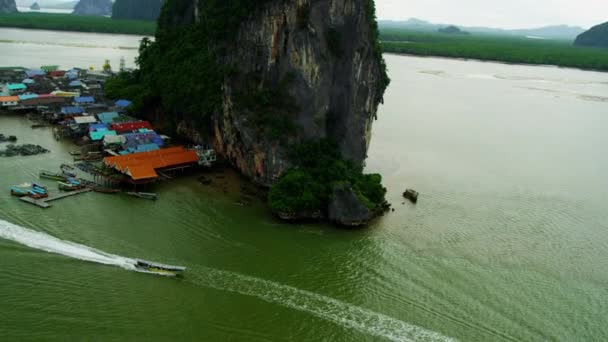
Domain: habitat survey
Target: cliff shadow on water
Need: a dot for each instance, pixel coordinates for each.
(258, 80)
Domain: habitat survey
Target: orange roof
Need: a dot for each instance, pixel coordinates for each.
(143, 165)
(9, 98)
(141, 172)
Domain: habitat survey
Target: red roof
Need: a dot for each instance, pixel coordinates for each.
(57, 73)
(127, 127)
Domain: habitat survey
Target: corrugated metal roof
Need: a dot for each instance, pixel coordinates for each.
(27, 97)
(9, 98)
(100, 135)
(84, 99)
(71, 110)
(123, 103)
(16, 86)
(85, 119)
(107, 117)
(143, 165)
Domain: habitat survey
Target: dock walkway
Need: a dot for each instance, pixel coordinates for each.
(44, 202)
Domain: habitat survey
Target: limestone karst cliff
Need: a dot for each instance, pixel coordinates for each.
(256, 78)
(94, 7)
(8, 6)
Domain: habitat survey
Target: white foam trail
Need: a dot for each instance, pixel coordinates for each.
(341, 313)
(48, 243)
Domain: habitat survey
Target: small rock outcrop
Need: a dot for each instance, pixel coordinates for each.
(35, 7)
(93, 7)
(137, 9)
(346, 209)
(411, 195)
(8, 6)
(597, 36)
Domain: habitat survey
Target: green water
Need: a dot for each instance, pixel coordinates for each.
(508, 242)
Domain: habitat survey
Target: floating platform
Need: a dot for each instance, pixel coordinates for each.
(44, 202)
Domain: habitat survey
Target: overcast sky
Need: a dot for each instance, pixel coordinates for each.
(502, 13)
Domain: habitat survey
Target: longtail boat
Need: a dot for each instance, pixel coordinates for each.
(144, 195)
(52, 175)
(66, 186)
(15, 191)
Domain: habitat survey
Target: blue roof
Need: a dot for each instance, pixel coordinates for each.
(98, 127)
(98, 135)
(27, 97)
(35, 72)
(84, 99)
(75, 84)
(107, 117)
(71, 75)
(71, 110)
(123, 103)
(17, 86)
(28, 81)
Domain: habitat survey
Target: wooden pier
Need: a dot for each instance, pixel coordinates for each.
(44, 202)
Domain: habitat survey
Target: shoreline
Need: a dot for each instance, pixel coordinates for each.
(73, 31)
(73, 23)
(467, 59)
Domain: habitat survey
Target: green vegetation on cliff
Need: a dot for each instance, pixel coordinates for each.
(307, 187)
(69, 22)
(495, 48)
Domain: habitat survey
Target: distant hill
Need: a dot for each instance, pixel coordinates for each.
(93, 7)
(63, 5)
(137, 9)
(597, 36)
(452, 30)
(7, 6)
(563, 32)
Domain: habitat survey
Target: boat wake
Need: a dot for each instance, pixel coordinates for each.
(50, 244)
(338, 312)
(330, 309)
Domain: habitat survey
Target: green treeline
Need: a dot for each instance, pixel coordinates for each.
(518, 50)
(69, 22)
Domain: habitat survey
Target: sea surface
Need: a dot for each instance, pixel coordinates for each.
(34, 48)
(509, 241)
(45, 10)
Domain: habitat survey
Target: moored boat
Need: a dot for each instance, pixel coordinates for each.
(66, 186)
(105, 190)
(18, 192)
(52, 175)
(36, 195)
(39, 191)
(144, 195)
(38, 185)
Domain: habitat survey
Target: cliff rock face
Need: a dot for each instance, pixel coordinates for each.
(597, 36)
(322, 58)
(8, 6)
(137, 9)
(346, 209)
(94, 7)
